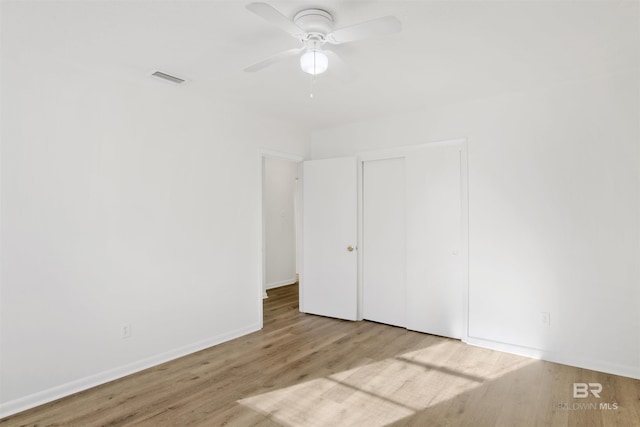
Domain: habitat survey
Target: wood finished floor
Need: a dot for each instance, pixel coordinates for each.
(305, 370)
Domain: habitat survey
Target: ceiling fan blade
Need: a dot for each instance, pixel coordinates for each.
(268, 13)
(377, 27)
(273, 59)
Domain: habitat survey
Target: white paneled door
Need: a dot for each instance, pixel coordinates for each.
(413, 246)
(330, 262)
(435, 248)
(383, 249)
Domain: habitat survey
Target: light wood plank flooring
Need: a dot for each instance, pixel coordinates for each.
(304, 370)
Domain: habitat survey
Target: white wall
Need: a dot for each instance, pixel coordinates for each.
(554, 214)
(122, 202)
(280, 234)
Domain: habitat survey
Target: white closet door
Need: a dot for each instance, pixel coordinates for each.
(330, 263)
(384, 265)
(435, 298)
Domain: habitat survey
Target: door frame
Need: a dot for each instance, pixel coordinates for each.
(401, 152)
(279, 155)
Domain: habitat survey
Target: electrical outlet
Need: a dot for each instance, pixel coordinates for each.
(545, 319)
(125, 332)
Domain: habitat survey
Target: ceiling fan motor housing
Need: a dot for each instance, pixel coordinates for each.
(314, 21)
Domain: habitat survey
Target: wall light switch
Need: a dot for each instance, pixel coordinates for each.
(545, 319)
(125, 332)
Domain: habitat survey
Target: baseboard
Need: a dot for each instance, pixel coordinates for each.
(273, 285)
(31, 401)
(594, 365)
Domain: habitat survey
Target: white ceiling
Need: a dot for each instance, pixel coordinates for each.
(448, 51)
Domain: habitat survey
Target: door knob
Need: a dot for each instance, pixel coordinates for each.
(350, 248)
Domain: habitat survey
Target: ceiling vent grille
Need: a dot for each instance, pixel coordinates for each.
(168, 77)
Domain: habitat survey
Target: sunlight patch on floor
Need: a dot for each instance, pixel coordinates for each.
(386, 391)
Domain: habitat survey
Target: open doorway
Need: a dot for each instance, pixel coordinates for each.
(281, 189)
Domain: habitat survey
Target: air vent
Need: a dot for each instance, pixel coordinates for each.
(168, 77)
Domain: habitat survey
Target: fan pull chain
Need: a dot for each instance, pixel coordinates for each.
(313, 76)
(313, 80)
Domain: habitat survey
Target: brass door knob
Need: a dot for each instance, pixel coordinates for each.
(350, 248)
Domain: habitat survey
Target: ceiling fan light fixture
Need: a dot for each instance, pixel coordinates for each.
(314, 62)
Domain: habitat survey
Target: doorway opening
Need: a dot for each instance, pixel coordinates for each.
(281, 233)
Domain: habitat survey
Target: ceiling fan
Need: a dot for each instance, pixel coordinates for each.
(314, 29)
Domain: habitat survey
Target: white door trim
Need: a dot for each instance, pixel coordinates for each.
(390, 153)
